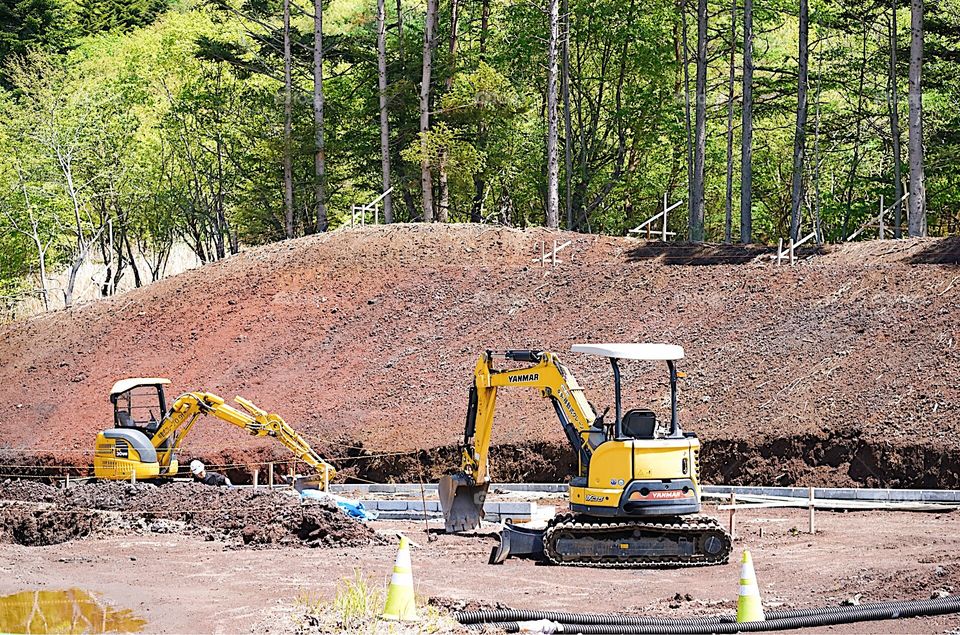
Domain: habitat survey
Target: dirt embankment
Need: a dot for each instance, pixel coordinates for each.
(33, 513)
(843, 368)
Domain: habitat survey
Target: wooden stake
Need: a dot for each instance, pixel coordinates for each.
(733, 515)
(293, 472)
(326, 479)
(664, 237)
(553, 256)
(543, 254)
(882, 233)
(133, 477)
(66, 483)
(256, 478)
(270, 475)
(813, 527)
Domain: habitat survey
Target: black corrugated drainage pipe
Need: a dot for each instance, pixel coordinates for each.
(590, 624)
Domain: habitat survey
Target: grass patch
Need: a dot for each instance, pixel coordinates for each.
(356, 608)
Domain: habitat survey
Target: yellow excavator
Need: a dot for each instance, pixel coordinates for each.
(636, 494)
(146, 436)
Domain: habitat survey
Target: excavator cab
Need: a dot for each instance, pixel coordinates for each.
(139, 403)
(127, 450)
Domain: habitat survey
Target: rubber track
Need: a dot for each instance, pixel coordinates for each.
(689, 525)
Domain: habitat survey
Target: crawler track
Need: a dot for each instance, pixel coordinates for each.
(582, 541)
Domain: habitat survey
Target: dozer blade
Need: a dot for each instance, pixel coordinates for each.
(462, 502)
(516, 541)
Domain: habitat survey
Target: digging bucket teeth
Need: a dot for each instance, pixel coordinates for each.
(462, 502)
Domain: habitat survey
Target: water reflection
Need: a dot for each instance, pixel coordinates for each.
(72, 611)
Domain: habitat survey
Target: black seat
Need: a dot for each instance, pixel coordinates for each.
(124, 420)
(639, 424)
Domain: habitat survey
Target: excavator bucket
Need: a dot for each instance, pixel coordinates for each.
(462, 502)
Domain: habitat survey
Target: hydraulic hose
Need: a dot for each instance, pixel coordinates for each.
(506, 615)
(593, 624)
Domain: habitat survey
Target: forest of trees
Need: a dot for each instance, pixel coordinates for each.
(129, 126)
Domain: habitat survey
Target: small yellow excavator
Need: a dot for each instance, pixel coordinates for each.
(146, 436)
(635, 496)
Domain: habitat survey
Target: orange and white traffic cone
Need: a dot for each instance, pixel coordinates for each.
(401, 604)
(749, 608)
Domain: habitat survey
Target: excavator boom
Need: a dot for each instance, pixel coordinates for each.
(463, 494)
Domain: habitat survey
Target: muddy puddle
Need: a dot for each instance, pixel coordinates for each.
(70, 611)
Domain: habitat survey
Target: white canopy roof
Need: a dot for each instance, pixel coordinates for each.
(126, 384)
(649, 352)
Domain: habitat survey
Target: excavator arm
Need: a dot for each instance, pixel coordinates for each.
(463, 493)
(190, 406)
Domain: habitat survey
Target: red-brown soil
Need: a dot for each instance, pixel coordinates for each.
(35, 514)
(843, 369)
(874, 555)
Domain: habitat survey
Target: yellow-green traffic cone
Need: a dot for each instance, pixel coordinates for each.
(749, 608)
(401, 605)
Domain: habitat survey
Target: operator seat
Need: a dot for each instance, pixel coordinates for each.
(125, 420)
(639, 424)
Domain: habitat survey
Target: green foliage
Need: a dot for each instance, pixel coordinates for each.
(33, 24)
(96, 16)
(172, 118)
(443, 148)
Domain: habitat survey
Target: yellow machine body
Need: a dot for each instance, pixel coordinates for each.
(115, 459)
(615, 464)
(636, 492)
(648, 469)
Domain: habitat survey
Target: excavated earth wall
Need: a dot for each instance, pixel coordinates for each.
(842, 370)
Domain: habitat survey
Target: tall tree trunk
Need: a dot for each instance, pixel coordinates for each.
(858, 129)
(746, 152)
(319, 159)
(287, 126)
(426, 178)
(816, 158)
(443, 209)
(553, 164)
(567, 117)
(479, 183)
(700, 149)
(918, 196)
(894, 106)
(800, 135)
(384, 118)
(688, 119)
(728, 221)
(400, 46)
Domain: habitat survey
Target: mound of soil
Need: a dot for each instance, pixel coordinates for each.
(39, 527)
(38, 514)
(365, 340)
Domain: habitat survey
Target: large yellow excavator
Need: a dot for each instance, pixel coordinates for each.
(146, 436)
(635, 497)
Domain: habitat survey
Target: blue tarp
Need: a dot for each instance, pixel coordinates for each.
(354, 509)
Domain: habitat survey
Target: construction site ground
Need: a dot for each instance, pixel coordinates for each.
(179, 582)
